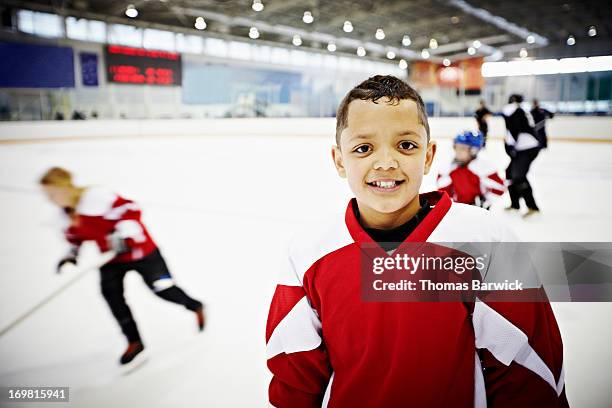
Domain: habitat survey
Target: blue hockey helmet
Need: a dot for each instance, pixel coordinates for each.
(470, 138)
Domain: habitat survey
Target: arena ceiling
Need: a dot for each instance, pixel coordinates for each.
(495, 29)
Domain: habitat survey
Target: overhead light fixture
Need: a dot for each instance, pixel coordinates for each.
(331, 47)
(425, 54)
(471, 50)
(200, 24)
(307, 18)
(433, 43)
(446, 62)
(361, 51)
(571, 40)
(592, 31)
(403, 64)
(131, 11)
(347, 27)
(254, 33)
(476, 44)
(390, 55)
(380, 34)
(297, 40)
(523, 53)
(406, 41)
(454, 19)
(530, 39)
(257, 5)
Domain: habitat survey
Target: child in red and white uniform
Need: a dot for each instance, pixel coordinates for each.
(113, 222)
(328, 347)
(469, 178)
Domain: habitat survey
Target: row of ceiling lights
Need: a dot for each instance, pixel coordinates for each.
(347, 27)
(200, 24)
(257, 6)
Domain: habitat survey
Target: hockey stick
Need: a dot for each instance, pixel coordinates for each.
(104, 258)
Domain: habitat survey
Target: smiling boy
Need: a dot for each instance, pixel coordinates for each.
(326, 346)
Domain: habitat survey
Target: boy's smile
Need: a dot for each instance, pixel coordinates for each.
(384, 153)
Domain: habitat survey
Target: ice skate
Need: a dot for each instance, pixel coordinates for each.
(530, 213)
(133, 350)
(201, 318)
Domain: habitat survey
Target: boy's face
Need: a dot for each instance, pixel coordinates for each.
(58, 195)
(384, 154)
(463, 153)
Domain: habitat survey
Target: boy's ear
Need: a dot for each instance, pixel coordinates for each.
(337, 157)
(429, 156)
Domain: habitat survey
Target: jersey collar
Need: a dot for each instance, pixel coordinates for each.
(439, 200)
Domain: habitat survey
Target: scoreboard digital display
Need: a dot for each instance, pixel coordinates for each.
(127, 65)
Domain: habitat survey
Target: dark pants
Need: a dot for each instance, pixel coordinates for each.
(484, 129)
(156, 275)
(516, 173)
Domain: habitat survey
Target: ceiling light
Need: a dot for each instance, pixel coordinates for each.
(476, 44)
(380, 34)
(390, 55)
(530, 39)
(361, 51)
(254, 33)
(403, 64)
(592, 31)
(454, 19)
(523, 53)
(347, 27)
(297, 40)
(406, 41)
(471, 50)
(131, 11)
(425, 54)
(446, 62)
(308, 18)
(200, 24)
(433, 43)
(571, 40)
(331, 47)
(257, 5)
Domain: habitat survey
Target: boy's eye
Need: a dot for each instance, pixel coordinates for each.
(362, 149)
(407, 145)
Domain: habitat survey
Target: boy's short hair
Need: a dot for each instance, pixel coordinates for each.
(56, 176)
(374, 88)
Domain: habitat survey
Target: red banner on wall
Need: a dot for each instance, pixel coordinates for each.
(464, 74)
(423, 74)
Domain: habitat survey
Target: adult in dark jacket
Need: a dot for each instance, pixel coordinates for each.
(481, 115)
(539, 116)
(523, 146)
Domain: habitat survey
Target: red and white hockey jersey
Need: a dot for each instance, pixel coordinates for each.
(327, 347)
(478, 181)
(101, 215)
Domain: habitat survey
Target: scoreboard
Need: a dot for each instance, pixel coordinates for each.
(129, 65)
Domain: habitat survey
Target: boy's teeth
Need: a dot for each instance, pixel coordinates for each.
(384, 184)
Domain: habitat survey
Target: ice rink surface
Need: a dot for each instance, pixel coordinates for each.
(222, 210)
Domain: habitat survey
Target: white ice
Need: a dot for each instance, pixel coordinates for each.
(222, 210)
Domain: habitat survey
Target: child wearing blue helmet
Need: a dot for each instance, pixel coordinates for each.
(469, 178)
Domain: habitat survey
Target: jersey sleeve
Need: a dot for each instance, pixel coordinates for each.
(521, 354)
(295, 351)
(491, 184)
(520, 346)
(126, 214)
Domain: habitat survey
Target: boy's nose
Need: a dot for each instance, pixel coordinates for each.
(385, 161)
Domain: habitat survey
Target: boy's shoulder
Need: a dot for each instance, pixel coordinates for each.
(468, 223)
(95, 201)
(320, 238)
